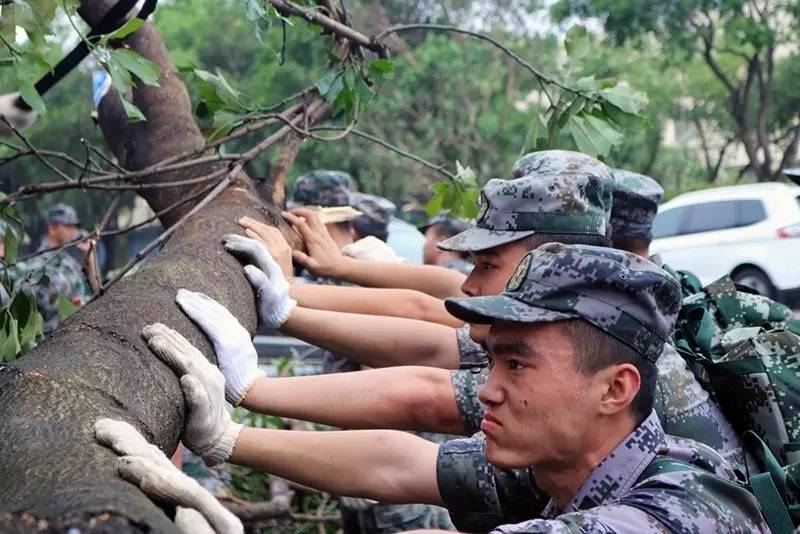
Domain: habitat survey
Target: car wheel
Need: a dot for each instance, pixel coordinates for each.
(755, 279)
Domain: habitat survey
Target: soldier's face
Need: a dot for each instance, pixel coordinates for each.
(430, 252)
(540, 408)
(493, 268)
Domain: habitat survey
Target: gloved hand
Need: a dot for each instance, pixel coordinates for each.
(190, 521)
(17, 116)
(236, 354)
(144, 464)
(209, 431)
(371, 248)
(266, 277)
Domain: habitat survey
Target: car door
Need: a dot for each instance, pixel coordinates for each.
(708, 236)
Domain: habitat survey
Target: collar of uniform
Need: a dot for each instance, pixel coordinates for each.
(619, 471)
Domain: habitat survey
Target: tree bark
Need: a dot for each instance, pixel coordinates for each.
(52, 473)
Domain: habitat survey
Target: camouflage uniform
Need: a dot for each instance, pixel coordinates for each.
(63, 276)
(682, 404)
(329, 189)
(650, 482)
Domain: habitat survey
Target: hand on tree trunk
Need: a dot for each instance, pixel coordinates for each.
(236, 355)
(144, 465)
(210, 433)
(265, 275)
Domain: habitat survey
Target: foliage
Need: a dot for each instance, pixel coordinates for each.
(749, 55)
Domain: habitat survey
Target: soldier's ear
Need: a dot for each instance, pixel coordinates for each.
(619, 386)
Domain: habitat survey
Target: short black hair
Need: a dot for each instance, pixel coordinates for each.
(537, 240)
(595, 350)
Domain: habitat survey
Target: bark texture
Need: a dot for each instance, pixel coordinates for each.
(52, 473)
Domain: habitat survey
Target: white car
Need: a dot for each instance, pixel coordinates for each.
(751, 232)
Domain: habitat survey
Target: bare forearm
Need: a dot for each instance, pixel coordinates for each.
(376, 341)
(436, 281)
(399, 398)
(390, 302)
(401, 467)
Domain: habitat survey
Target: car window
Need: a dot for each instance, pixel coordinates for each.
(798, 201)
(751, 212)
(668, 223)
(712, 216)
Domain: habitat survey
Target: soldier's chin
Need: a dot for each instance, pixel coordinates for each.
(502, 457)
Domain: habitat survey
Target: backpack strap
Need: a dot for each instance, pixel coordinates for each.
(769, 487)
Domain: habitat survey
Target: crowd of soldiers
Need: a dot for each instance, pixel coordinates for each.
(552, 359)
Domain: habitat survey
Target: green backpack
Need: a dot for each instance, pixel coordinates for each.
(745, 350)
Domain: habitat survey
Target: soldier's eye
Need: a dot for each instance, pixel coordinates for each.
(515, 365)
(487, 266)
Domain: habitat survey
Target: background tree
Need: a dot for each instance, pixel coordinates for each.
(750, 48)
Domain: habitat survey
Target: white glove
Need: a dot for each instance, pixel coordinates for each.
(20, 118)
(236, 354)
(266, 277)
(209, 431)
(190, 521)
(371, 248)
(144, 464)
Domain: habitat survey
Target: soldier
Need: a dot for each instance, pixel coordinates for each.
(574, 339)
(64, 274)
(691, 409)
(566, 184)
(332, 189)
(438, 229)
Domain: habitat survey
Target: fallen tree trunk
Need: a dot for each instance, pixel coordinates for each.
(52, 473)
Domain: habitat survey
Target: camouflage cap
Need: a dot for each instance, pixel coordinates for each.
(636, 200)
(552, 192)
(622, 294)
(447, 224)
(62, 214)
(322, 188)
(376, 214)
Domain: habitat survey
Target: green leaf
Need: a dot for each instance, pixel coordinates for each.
(134, 114)
(29, 320)
(127, 29)
(625, 98)
(139, 66)
(9, 340)
(604, 129)
(323, 85)
(64, 307)
(588, 144)
(379, 69)
(577, 42)
(10, 243)
(435, 204)
(31, 96)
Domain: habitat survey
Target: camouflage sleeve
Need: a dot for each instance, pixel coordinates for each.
(610, 519)
(479, 496)
(465, 388)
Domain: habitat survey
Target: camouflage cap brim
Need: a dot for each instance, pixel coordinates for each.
(484, 310)
(478, 239)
